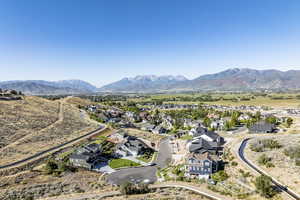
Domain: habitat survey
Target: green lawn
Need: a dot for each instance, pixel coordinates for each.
(118, 163)
(186, 137)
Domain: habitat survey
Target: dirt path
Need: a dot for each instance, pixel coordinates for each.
(59, 120)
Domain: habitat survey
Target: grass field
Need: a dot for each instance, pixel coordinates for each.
(118, 163)
(280, 100)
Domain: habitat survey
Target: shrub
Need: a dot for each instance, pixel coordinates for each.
(220, 176)
(130, 188)
(51, 166)
(262, 145)
(263, 159)
(264, 186)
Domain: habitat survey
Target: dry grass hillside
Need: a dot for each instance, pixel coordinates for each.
(34, 124)
(20, 118)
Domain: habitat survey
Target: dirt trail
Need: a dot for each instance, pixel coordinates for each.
(59, 120)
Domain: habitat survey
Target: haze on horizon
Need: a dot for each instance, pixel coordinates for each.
(104, 41)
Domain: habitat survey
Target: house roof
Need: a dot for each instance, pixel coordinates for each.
(203, 131)
(202, 156)
(262, 126)
(82, 156)
(202, 144)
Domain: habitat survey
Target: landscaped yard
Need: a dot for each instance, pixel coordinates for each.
(118, 163)
(186, 137)
(146, 158)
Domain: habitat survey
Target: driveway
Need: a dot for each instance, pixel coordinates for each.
(164, 154)
(146, 174)
(134, 175)
(104, 168)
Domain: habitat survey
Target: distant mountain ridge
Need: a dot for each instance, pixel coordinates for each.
(144, 83)
(40, 87)
(234, 79)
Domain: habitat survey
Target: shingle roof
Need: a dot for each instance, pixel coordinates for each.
(202, 156)
(202, 144)
(262, 126)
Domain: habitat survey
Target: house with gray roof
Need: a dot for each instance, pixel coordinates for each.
(132, 146)
(200, 145)
(87, 156)
(262, 127)
(201, 166)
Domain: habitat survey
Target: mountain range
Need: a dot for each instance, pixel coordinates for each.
(40, 87)
(235, 79)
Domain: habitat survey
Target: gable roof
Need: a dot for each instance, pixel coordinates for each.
(201, 143)
(262, 126)
(202, 156)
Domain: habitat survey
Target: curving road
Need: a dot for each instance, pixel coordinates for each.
(274, 181)
(145, 173)
(101, 128)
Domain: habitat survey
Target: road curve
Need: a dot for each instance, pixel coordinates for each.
(191, 188)
(274, 181)
(101, 128)
(117, 193)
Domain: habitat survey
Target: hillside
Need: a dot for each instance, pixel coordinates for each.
(28, 125)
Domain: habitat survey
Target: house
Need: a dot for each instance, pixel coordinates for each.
(244, 117)
(92, 108)
(159, 130)
(200, 145)
(132, 117)
(147, 127)
(197, 131)
(167, 122)
(87, 156)
(145, 116)
(210, 136)
(262, 127)
(201, 166)
(132, 146)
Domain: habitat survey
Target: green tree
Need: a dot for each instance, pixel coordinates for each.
(228, 125)
(51, 166)
(289, 121)
(264, 186)
(257, 116)
(220, 176)
(206, 122)
(271, 120)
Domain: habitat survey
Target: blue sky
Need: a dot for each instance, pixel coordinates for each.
(101, 41)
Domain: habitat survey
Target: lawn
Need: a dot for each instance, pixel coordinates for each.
(186, 137)
(118, 163)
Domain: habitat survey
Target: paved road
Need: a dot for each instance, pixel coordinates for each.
(101, 128)
(164, 154)
(202, 192)
(250, 164)
(134, 175)
(147, 173)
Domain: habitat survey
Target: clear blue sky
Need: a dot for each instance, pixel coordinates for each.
(104, 40)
